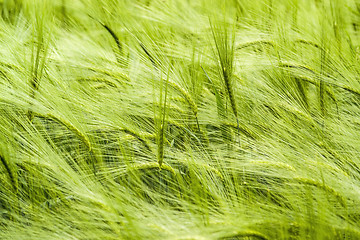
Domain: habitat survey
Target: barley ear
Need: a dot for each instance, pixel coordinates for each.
(322, 186)
(253, 43)
(225, 49)
(138, 137)
(82, 137)
(10, 173)
(303, 41)
(188, 99)
(301, 87)
(322, 90)
(113, 35)
(314, 82)
(152, 60)
(219, 101)
(73, 129)
(249, 234)
(38, 59)
(99, 80)
(151, 166)
(160, 155)
(322, 86)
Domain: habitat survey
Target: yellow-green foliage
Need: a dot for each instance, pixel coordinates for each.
(152, 119)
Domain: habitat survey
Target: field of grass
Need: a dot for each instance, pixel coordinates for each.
(179, 119)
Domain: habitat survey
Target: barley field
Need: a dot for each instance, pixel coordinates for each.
(179, 119)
